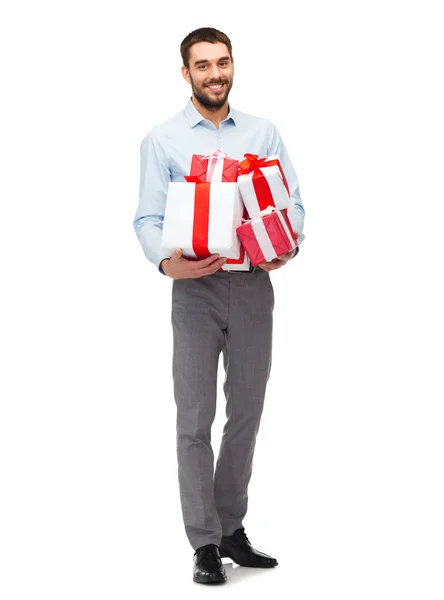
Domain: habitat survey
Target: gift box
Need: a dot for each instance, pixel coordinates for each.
(237, 264)
(267, 236)
(262, 183)
(243, 262)
(201, 218)
(217, 166)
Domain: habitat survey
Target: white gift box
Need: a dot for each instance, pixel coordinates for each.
(241, 264)
(277, 194)
(222, 209)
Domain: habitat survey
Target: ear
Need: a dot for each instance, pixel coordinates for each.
(186, 74)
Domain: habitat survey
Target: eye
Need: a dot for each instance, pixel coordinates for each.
(202, 67)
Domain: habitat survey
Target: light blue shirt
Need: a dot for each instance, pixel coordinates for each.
(165, 155)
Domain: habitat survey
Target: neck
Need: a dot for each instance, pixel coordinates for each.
(215, 115)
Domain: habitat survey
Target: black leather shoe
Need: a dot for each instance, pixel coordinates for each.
(238, 548)
(208, 567)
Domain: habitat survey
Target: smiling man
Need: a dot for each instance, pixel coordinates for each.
(213, 311)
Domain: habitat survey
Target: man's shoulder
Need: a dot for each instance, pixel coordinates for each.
(166, 128)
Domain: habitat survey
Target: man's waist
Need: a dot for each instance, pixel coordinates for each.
(250, 270)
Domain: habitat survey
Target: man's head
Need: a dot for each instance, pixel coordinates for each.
(208, 66)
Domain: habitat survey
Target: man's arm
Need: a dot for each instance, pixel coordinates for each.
(148, 222)
(153, 189)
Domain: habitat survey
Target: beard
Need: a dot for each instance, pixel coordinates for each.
(202, 94)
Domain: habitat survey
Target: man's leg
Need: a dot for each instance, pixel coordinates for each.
(199, 315)
(247, 361)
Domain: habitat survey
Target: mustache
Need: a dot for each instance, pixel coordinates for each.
(216, 82)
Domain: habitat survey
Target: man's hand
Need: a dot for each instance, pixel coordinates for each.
(178, 267)
(278, 262)
(282, 260)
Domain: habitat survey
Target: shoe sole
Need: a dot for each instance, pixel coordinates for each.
(209, 581)
(223, 555)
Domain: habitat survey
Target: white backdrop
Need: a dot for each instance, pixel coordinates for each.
(347, 488)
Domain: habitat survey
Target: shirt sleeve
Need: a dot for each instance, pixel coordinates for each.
(153, 189)
(297, 212)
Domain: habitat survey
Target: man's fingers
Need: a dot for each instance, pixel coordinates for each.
(191, 263)
(217, 265)
(264, 266)
(276, 263)
(212, 268)
(272, 265)
(200, 264)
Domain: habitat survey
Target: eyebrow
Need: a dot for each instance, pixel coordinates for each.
(201, 62)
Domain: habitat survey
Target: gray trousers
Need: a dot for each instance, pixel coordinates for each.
(232, 313)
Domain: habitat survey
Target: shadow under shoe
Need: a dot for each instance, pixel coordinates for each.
(208, 567)
(239, 549)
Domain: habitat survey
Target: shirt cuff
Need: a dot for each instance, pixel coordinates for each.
(160, 266)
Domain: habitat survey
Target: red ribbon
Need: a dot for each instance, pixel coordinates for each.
(201, 220)
(201, 217)
(252, 162)
(240, 260)
(195, 178)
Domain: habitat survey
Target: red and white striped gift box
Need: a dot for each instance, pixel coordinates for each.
(267, 236)
(217, 166)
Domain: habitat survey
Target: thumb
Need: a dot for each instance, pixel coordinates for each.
(177, 253)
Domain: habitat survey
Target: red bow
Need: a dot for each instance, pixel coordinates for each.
(252, 162)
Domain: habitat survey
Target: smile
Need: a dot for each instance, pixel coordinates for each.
(216, 86)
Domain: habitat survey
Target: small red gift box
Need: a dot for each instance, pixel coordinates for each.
(216, 167)
(267, 236)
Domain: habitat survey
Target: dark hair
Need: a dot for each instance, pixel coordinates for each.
(204, 34)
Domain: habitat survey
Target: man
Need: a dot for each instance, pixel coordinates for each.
(213, 311)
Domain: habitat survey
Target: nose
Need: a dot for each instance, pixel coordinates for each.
(215, 72)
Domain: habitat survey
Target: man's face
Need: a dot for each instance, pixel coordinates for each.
(210, 74)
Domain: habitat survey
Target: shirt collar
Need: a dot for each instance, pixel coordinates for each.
(194, 117)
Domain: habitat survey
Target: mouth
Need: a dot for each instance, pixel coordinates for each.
(216, 87)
